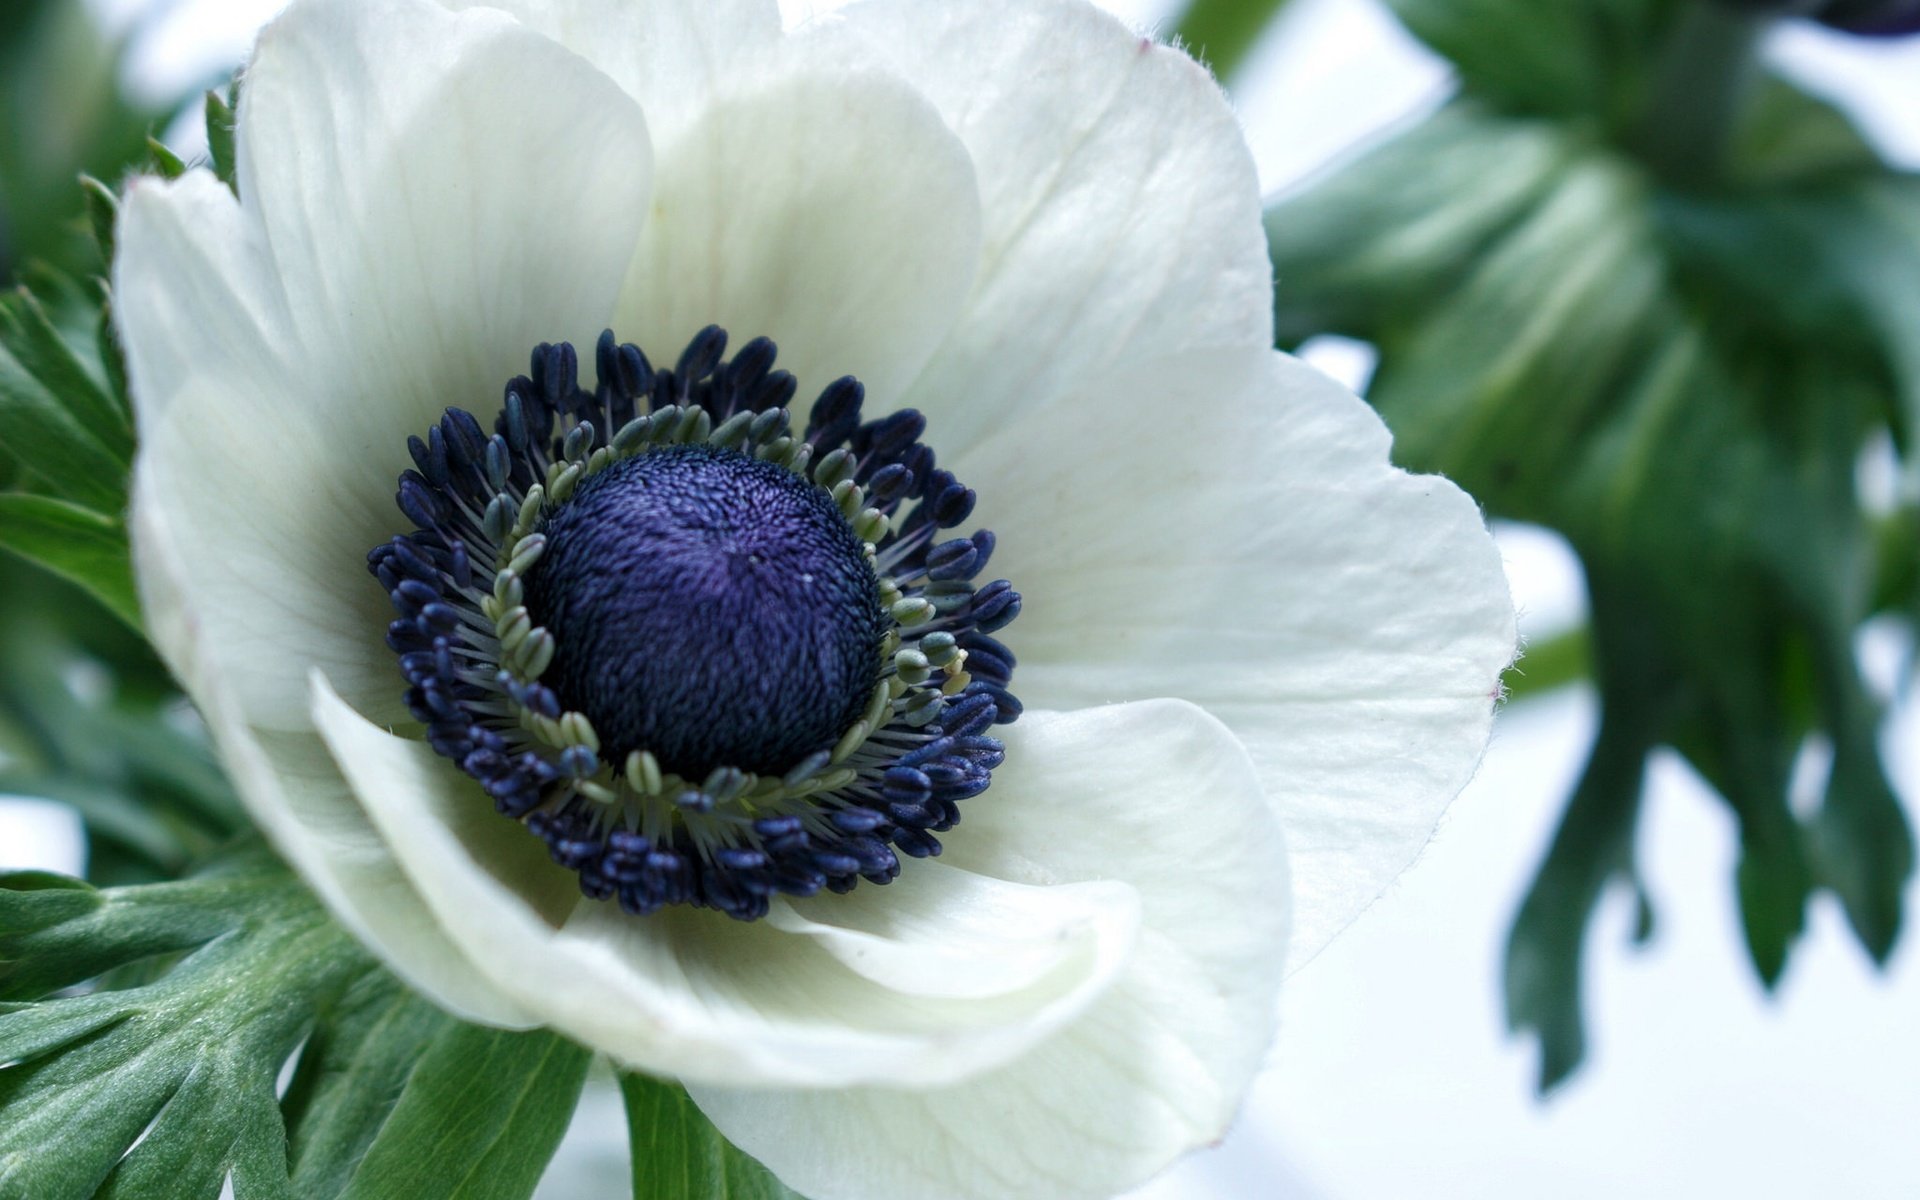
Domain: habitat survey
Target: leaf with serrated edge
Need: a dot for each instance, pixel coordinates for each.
(184, 1065)
(391, 1098)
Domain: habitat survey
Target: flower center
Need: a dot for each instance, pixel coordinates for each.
(710, 607)
(707, 659)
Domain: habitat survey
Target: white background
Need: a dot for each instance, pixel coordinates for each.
(1393, 1076)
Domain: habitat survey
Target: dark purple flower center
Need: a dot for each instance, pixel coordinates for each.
(710, 607)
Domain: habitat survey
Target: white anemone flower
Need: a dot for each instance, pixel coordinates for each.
(1256, 660)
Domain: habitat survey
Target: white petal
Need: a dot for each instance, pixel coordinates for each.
(1157, 794)
(270, 556)
(670, 55)
(425, 198)
(843, 996)
(833, 213)
(440, 193)
(965, 935)
(1120, 203)
(301, 802)
(195, 295)
(1226, 528)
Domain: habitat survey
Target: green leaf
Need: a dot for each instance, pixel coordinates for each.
(1585, 58)
(49, 442)
(28, 334)
(76, 543)
(1871, 239)
(1837, 265)
(113, 361)
(1680, 381)
(1715, 495)
(1862, 845)
(88, 716)
(480, 1116)
(184, 1065)
(1808, 297)
(351, 1074)
(1790, 137)
(95, 128)
(103, 211)
(1404, 223)
(1568, 304)
(163, 161)
(1593, 845)
(1542, 977)
(221, 124)
(1550, 664)
(1773, 881)
(1220, 32)
(393, 1097)
(17, 19)
(679, 1155)
(1737, 744)
(161, 1081)
(61, 417)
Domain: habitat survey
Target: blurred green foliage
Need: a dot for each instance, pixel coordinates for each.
(1221, 32)
(66, 427)
(90, 717)
(63, 112)
(87, 713)
(1629, 286)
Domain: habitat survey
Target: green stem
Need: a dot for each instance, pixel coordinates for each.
(1699, 92)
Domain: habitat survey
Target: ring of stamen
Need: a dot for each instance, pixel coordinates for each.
(479, 663)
